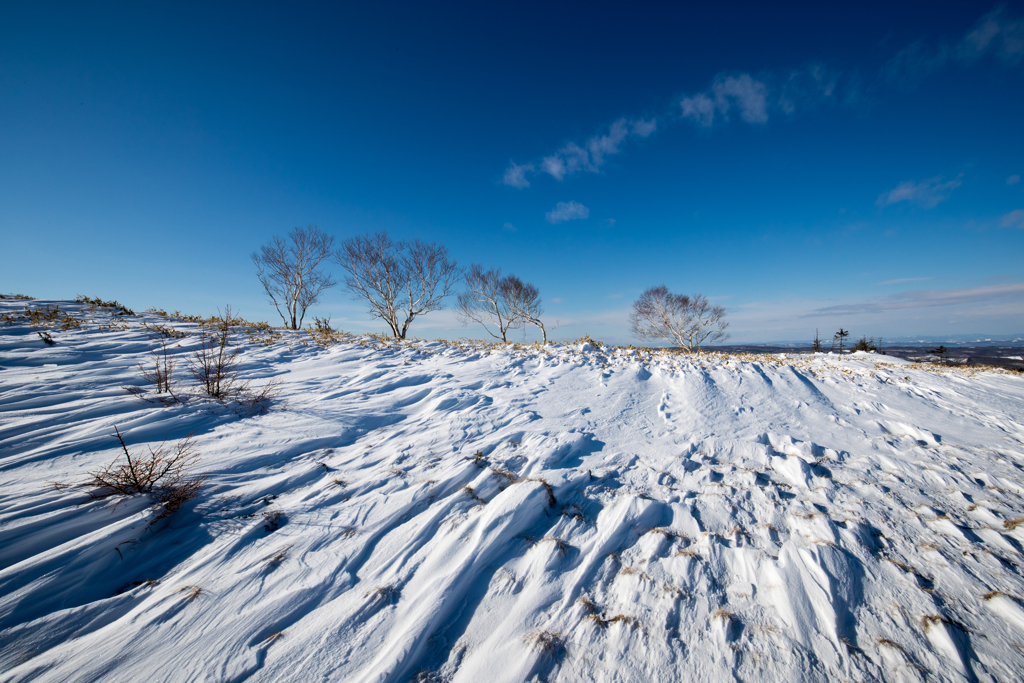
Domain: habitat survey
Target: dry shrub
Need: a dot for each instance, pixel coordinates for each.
(164, 473)
(115, 307)
(215, 367)
(160, 375)
(549, 643)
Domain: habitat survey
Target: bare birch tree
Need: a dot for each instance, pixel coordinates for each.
(486, 301)
(502, 303)
(659, 315)
(399, 280)
(289, 271)
(524, 300)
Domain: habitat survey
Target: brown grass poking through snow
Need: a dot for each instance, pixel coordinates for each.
(664, 531)
(509, 477)
(191, 592)
(552, 501)
(723, 614)
(548, 643)
(560, 546)
(885, 642)
(603, 622)
(277, 558)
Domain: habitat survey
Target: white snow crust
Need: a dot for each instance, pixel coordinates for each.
(468, 512)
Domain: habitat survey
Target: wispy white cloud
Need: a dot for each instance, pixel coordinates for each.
(590, 156)
(996, 34)
(515, 175)
(904, 279)
(753, 99)
(728, 93)
(927, 193)
(927, 298)
(1013, 180)
(509, 227)
(1014, 219)
(567, 211)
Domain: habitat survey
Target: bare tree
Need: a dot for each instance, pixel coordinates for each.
(399, 280)
(289, 271)
(659, 315)
(524, 300)
(487, 301)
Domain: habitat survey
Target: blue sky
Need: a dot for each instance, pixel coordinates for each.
(806, 166)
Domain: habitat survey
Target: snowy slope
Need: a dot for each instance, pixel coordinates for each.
(470, 513)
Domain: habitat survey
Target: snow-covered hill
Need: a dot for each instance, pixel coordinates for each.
(463, 512)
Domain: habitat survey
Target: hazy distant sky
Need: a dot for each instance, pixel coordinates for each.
(802, 165)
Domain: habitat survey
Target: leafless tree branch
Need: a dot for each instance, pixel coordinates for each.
(659, 315)
(525, 302)
(486, 301)
(289, 271)
(399, 280)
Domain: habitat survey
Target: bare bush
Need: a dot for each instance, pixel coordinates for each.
(256, 401)
(399, 280)
(688, 322)
(289, 271)
(160, 375)
(166, 473)
(213, 365)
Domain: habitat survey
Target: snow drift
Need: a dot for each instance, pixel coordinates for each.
(463, 512)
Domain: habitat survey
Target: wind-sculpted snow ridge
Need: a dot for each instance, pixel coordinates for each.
(471, 512)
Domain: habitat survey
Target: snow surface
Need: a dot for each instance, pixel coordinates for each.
(464, 512)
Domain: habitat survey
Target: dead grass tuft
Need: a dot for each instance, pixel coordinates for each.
(587, 604)
(560, 546)
(468, 490)
(552, 501)
(885, 642)
(191, 592)
(277, 558)
(664, 531)
(929, 620)
(509, 477)
(548, 643)
(386, 593)
(603, 622)
(723, 614)
(1011, 524)
(995, 594)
